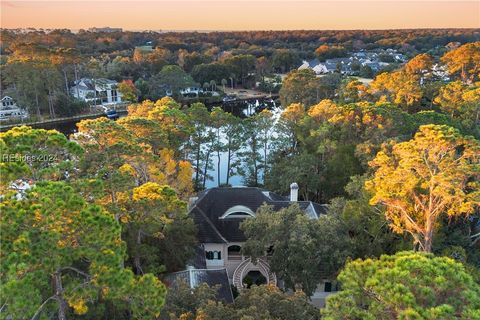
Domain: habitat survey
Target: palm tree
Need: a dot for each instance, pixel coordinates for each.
(213, 84)
(224, 83)
(206, 85)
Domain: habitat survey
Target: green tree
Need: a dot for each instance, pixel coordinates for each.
(199, 144)
(128, 91)
(300, 86)
(407, 285)
(233, 131)
(435, 173)
(174, 78)
(148, 213)
(184, 301)
(256, 303)
(36, 154)
(62, 255)
(365, 226)
(213, 71)
(450, 98)
(270, 303)
(302, 251)
(241, 65)
(284, 60)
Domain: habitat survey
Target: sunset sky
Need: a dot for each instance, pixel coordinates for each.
(240, 14)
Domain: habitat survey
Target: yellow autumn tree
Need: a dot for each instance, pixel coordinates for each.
(148, 210)
(450, 97)
(436, 173)
(464, 61)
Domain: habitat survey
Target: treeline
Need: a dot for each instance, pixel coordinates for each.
(91, 43)
(39, 66)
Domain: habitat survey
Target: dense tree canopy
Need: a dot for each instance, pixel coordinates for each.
(63, 255)
(405, 286)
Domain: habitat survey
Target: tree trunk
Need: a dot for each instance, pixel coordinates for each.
(265, 149)
(50, 104)
(37, 103)
(58, 289)
(229, 160)
(197, 167)
(427, 242)
(76, 81)
(66, 81)
(136, 259)
(218, 157)
(209, 151)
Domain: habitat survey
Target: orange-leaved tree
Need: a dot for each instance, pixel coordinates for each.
(435, 173)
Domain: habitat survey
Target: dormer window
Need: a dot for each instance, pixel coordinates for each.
(238, 212)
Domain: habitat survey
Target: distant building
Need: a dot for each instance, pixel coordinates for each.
(97, 91)
(191, 90)
(105, 29)
(10, 110)
(342, 65)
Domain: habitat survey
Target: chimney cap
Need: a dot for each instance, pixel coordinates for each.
(294, 185)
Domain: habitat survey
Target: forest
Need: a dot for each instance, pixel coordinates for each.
(38, 66)
(104, 217)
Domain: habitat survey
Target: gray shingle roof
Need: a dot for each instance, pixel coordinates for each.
(213, 203)
(212, 277)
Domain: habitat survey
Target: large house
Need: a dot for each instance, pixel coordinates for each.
(217, 213)
(342, 65)
(10, 110)
(97, 91)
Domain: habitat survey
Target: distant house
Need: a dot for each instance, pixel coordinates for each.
(10, 110)
(218, 213)
(97, 91)
(342, 65)
(191, 90)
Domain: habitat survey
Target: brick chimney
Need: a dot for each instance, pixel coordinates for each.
(294, 192)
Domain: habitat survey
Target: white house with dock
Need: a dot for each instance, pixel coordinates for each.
(99, 91)
(10, 110)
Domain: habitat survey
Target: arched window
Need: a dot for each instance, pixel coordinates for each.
(234, 253)
(238, 212)
(209, 255)
(213, 255)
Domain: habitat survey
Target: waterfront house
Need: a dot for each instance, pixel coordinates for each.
(191, 91)
(218, 213)
(97, 91)
(10, 110)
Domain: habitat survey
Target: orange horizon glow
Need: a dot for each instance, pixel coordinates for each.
(240, 14)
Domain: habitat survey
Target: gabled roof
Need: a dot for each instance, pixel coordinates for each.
(212, 277)
(214, 226)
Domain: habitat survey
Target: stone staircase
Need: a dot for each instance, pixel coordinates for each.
(246, 266)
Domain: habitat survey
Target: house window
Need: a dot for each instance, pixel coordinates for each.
(213, 255)
(234, 253)
(238, 212)
(328, 287)
(209, 255)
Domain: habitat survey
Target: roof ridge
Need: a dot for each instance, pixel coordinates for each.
(210, 222)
